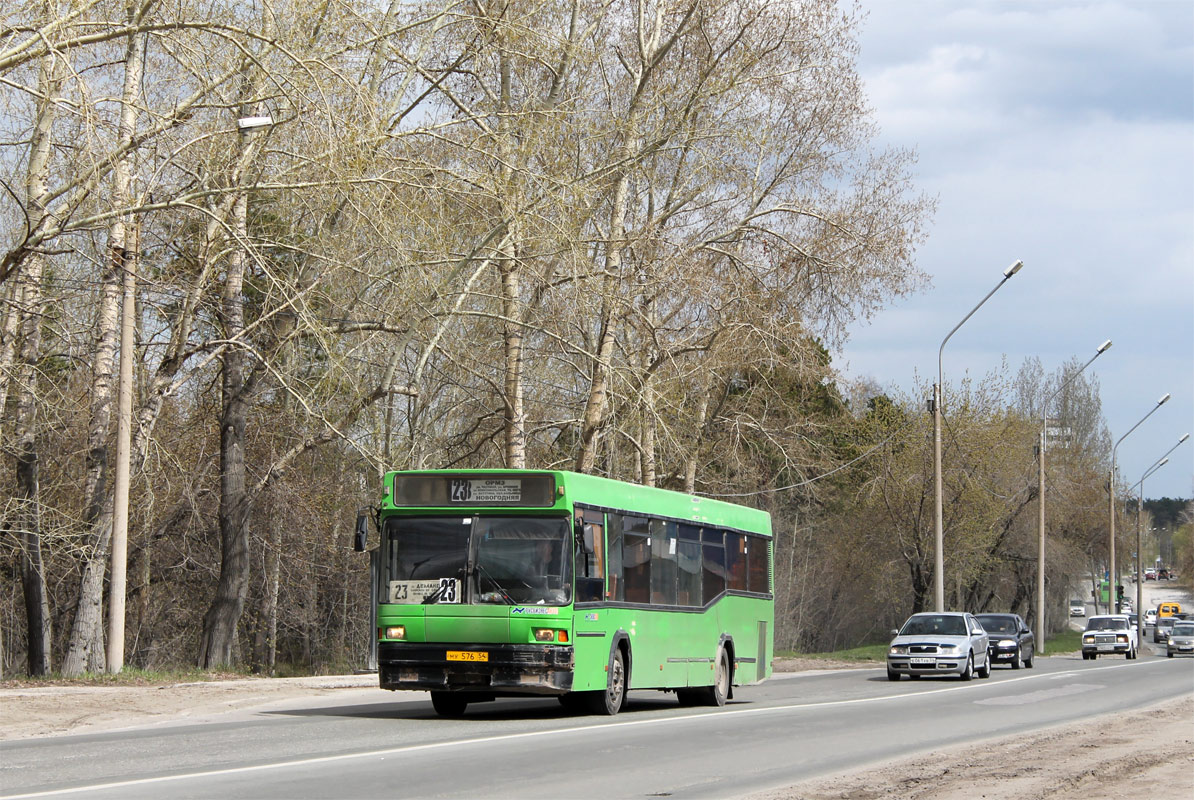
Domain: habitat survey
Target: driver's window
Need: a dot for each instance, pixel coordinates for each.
(590, 556)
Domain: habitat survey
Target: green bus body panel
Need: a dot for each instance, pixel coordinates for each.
(669, 648)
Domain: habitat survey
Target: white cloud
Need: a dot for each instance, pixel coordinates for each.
(1062, 134)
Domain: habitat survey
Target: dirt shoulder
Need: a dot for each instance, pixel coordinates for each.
(1145, 753)
(46, 710)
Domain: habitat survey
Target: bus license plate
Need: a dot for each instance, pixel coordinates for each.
(468, 655)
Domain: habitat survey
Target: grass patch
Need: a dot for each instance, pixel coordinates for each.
(870, 652)
(1067, 641)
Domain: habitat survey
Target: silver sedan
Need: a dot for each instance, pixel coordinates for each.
(939, 643)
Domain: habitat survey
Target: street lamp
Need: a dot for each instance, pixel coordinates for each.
(1140, 553)
(1040, 561)
(938, 392)
(1112, 583)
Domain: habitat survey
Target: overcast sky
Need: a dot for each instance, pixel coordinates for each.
(1060, 133)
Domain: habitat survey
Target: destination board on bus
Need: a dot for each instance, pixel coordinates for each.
(475, 489)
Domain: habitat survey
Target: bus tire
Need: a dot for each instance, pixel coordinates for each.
(449, 704)
(609, 700)
(716, 694)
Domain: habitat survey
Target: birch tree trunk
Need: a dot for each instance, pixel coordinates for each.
(33, 579)
(220, 622)
(85, 648)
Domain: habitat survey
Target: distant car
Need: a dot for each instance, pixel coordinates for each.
(1181, 640)
(1150, 617)
(1150, 574)
(939, 643)
(1011, 641)
(1125, 607)
(1108, 634)
(1163, 628)
(1163, 574)
(1077, 608)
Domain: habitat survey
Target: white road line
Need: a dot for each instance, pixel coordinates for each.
(687, 719)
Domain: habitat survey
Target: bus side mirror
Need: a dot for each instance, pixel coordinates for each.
(362, 533)
(578, 536)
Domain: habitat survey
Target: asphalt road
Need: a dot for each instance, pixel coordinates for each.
(378, 744)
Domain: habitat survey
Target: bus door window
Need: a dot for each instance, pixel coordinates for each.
(663, 562)
(713, 564)
(688, 566)
(736, 561)
(636, 559)
(590, 557)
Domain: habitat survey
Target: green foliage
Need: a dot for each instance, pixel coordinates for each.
(866, 653)
(1166, 511)
(1066, 641)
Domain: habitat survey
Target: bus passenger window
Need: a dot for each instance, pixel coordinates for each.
(713, 564)
(688, 566)
(613, 569)
(756, 563)
(636, 560)
(663, 563)
(736, 561)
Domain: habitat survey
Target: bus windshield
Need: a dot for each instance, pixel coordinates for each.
(514, 560)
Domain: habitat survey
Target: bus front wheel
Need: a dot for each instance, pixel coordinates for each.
(609, 701)
(449, 704)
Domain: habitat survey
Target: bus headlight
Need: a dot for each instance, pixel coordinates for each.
(394, 632)
(550, 635)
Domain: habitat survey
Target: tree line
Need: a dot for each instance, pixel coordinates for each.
(617, 237)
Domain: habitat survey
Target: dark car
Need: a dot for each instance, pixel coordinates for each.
(1011, 641)
(1163, 628)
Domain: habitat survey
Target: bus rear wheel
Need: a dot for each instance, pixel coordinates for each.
(716, 694)
(449, 704)
(609, 701)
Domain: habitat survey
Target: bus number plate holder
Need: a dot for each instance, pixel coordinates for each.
(468, 655)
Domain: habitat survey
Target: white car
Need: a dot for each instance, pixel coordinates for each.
(1150, 617)
(939, 643)
(1109, 634)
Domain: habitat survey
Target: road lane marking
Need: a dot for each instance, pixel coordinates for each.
(687, 719)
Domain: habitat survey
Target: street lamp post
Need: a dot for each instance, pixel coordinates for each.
(938, 392)
(1040, 561)
(1162, 461)
(1112, 583)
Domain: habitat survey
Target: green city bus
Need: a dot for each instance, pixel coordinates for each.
(498, 583)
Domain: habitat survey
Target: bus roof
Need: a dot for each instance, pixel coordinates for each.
(591, 490)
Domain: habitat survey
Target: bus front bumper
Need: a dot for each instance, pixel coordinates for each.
(493, 668)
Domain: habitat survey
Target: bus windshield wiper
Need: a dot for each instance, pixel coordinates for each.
(434, 597)
(485, 574)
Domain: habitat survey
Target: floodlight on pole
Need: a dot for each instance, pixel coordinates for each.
(246, 124)
(1140, 553)
(1112, 581)
(1041, 447)
(938, 393)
